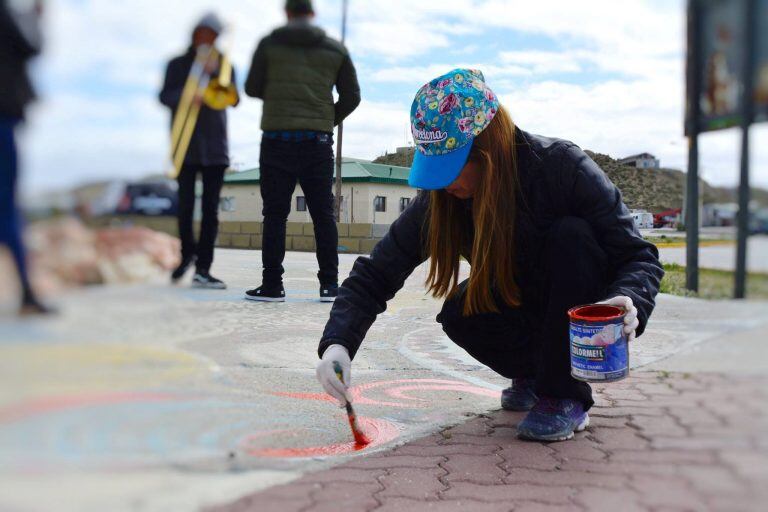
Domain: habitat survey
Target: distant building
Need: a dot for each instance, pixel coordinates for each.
(719, 214)
(371, 194)
(641, 161)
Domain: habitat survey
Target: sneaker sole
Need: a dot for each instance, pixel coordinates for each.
(175, 280)
(209, 286)
(580, 427)
(265, 299)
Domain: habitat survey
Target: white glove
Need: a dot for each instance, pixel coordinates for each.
(327, 377)
(630, 319)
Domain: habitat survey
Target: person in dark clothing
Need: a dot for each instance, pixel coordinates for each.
(208, 155)
(543, 229)
(19, 41)
(294, 70)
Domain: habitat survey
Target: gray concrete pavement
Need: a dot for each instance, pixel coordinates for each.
(153, 397)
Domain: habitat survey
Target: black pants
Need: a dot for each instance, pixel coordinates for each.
(283, 164)
(213, 178)
(532, 340)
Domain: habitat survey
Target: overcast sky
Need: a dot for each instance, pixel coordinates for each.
(607, 75)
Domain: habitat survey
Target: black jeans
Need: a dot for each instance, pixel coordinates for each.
(532, 341)
(283, 164)
(213, 179)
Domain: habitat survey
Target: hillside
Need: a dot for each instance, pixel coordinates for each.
(654, 190)
(404, 159)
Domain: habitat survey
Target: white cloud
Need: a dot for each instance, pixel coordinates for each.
(376, 127)
(541, 62)
(419, 75)
(99, 75)
(613, 117)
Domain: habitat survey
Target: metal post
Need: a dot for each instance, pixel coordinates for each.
(340, 130)
(740, 283)
(692, 216)
(692, 188)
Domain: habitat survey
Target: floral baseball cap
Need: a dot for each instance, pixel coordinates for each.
(446, 116)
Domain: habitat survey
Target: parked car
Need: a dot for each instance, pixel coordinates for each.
(158, 198)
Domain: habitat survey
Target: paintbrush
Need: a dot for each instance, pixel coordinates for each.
(360, 438)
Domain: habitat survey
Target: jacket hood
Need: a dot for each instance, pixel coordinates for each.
(299, 34)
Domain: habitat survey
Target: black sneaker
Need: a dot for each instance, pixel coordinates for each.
(205, 280)
(329, 293)
(179, 272)
(262, 294)
(32, 307)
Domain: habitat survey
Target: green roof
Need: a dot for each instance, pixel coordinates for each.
(353, 170)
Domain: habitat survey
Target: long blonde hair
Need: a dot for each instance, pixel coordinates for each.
(493, 215)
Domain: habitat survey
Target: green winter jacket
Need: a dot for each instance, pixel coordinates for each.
(294, 70)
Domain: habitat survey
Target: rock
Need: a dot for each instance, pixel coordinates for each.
(64, 253)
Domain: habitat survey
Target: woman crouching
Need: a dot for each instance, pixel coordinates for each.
(543, 230)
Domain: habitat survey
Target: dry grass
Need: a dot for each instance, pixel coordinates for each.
(713, 284)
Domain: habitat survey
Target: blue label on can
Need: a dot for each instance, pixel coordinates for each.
(599, 351)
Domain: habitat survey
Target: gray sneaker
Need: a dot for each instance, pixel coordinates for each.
(206, 280)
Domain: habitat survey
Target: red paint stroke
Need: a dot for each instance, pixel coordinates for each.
(59, 403)
(398, 389)
(357, 432)
(378, 431)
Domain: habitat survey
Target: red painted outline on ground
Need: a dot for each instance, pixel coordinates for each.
(398, 389)
(378, 431)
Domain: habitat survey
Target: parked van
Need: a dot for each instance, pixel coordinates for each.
(643, 219)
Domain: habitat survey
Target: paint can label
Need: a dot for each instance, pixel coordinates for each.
(599, 351)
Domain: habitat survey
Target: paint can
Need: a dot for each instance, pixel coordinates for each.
(599, 349)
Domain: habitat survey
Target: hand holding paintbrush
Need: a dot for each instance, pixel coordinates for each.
(333, 372)
(360, 438)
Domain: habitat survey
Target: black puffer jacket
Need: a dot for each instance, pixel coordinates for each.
(209, 145)
(557, 179)
(15, 50)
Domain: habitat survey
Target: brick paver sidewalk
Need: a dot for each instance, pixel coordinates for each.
(658, 441)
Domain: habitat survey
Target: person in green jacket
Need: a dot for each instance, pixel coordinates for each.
(294, 71)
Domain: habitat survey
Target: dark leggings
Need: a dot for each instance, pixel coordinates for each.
(532, 340)
(10, 219)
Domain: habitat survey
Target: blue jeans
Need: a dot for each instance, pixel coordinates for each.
(10, 219)
(310, 163)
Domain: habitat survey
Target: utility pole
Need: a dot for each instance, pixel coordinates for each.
(691, 206)
(740, 284)
(339, 133)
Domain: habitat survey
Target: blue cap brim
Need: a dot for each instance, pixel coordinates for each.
(437, 171)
